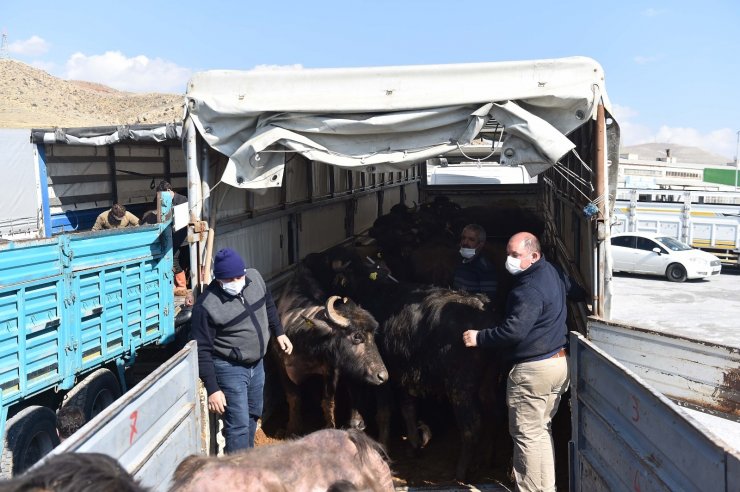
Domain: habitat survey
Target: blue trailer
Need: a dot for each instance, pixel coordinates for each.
(74, 310)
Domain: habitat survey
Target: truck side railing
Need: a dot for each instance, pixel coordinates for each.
(628, 436)
(151, 428)
(693, 373)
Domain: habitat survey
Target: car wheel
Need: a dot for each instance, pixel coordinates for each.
(676, 272)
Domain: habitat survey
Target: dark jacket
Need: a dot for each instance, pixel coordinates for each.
(535, 315)
(476, 276)
(235, 328)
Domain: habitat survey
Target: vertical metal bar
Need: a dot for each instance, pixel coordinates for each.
(112, 172)
(574, 454)
(205, 172)
(194, 198)
(332, 187)
(167, 164)
(600, 171)
(310, 180)
(44, 189)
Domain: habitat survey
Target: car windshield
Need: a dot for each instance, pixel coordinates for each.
(673, 244)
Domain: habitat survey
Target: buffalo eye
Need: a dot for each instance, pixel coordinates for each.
(357, 338)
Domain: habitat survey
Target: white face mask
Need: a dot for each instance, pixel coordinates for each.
(467, 253)
(234, 287)
(514, 265)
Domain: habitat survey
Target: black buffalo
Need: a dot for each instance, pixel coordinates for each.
(332, 337)
(420, 339)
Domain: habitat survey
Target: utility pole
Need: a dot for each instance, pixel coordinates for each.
(4, 46)
(737, 157)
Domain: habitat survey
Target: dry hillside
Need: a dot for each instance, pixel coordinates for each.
(31, 98)
(683, 153)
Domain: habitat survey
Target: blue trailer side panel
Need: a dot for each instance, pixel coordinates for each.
(75, 302)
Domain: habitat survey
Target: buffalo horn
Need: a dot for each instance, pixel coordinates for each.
(334, 316)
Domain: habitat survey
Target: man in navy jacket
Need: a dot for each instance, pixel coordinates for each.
(534, 336)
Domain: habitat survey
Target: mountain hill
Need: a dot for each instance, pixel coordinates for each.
(684, 154)
(31, 98)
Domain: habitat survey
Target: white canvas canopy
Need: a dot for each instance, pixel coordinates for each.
(387, 118)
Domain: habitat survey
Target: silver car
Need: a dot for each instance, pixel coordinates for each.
(655, 254)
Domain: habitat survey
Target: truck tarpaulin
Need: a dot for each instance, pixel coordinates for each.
(383, 119)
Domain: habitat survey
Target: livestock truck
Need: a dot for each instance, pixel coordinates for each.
(281, 164)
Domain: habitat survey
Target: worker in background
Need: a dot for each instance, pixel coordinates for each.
(115, 218)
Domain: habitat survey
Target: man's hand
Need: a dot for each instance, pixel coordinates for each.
(470, 338)
(285, 344)
(217, 403)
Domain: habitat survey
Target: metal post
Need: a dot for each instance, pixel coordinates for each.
(737, 157)
(600, 247)
(195, 203)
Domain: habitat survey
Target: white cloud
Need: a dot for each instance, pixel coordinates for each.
(268, 68)
(32, 46)
(631, 132)
(722, 141)
(135, 74)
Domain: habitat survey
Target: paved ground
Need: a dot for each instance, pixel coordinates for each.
(704, 309)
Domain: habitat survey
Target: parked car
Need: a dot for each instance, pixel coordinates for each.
(654, 254)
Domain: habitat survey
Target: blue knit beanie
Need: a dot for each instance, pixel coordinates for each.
(228, 264)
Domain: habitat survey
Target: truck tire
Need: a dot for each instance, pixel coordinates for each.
(676, 272)
(94, 393)
(29, 436)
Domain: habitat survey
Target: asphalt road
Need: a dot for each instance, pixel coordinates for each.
(701, 309)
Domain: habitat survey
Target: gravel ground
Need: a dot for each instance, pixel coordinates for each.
(700, 309)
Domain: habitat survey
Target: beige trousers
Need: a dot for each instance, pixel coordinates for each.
(533, 393)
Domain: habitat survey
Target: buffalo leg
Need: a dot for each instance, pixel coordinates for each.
(355, 417)
(467, 416)
(408, 411)
(295, 419)
(384, 401)
(328, 404)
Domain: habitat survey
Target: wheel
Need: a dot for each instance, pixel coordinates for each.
(676, 272)
(29, 436)
(94, 393)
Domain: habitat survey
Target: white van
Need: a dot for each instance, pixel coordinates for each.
(476, 173)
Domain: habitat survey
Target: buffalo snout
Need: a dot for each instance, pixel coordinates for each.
(378, 377)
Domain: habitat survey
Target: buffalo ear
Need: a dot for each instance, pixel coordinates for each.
(322, 327)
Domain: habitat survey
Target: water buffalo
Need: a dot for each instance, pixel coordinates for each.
(331, 338)
(420, 340)
(421, 343)
(328, 459)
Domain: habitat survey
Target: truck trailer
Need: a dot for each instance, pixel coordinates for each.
(283, 164)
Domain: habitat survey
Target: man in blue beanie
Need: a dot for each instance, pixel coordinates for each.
(232, 322)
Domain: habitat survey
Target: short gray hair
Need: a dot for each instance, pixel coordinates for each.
(478, 230)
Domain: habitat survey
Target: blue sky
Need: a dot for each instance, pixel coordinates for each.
(672, 67)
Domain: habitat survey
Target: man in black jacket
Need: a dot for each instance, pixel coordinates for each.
(232, 322)
(534, 334)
